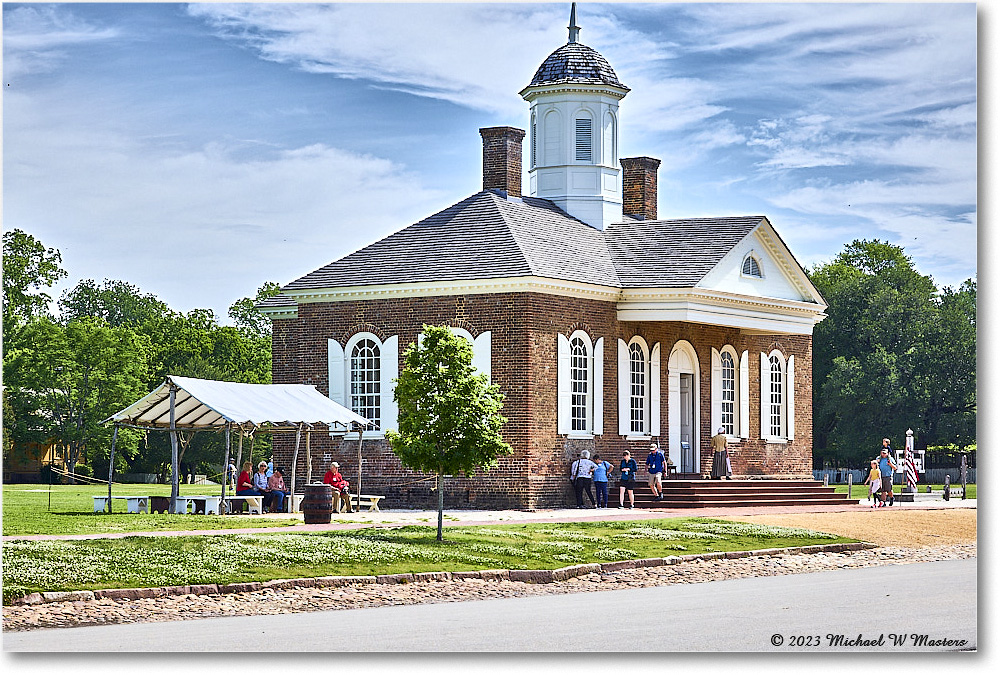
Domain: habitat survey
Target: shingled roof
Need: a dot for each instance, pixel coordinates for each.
(576, 62)
(673, 253)
(488, 236)
(484, 236)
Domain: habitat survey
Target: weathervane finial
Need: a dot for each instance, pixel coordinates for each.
(574, 30)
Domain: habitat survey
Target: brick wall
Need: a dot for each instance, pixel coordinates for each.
(524, 327)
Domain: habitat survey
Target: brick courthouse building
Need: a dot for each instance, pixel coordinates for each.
(604, 326)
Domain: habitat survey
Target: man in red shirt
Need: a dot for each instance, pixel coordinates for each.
(341, 494)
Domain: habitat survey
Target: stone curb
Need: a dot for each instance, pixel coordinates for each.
(524, 576)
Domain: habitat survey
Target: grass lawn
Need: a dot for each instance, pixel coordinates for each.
(133, 562)
(27, 510)
(861, 491)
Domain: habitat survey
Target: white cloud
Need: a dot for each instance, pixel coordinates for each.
(35, 38)
(474, 55)
(169, 221)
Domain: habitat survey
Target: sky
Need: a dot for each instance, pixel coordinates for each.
(198, 151)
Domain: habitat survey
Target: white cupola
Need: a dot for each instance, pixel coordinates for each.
(573, 146)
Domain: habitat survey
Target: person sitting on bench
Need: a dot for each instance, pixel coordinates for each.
(244, 485)
(276, 492)
(341, 494)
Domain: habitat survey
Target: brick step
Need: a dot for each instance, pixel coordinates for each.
(738, 503)
(761, 496)
(725, 487)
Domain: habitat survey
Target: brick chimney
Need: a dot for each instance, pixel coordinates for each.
(639, 187)
(502, 159)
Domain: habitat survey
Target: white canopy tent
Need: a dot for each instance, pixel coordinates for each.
(187, 403)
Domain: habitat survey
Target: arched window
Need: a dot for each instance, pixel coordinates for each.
(751, 268)
(776, 402)
(608, 143)
(579, 385)
(366, 376)
(637, 388)
(728, 393)
(579, 376)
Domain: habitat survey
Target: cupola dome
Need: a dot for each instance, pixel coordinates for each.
(575, 62)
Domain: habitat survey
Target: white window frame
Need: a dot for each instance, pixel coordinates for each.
(650, 394)
(588, 119)
(786, 406)
(482, 350)
(756, 260)
(741, 407)
(594, 403)
(339, 378)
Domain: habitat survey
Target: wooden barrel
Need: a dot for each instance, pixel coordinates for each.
(317, 503)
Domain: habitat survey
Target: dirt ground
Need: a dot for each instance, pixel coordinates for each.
(885, 527)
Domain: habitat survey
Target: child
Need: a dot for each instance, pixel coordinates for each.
(874, 481)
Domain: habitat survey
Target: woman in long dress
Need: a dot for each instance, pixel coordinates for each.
(720, 456)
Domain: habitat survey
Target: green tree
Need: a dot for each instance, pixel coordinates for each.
(449, 417)
(883, 355)
(68, 379)
(247, 318)
(118, 303)
(28, 267)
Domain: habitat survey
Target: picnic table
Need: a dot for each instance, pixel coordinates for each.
(133, 503)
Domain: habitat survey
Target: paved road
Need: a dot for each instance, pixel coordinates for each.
(734, 615)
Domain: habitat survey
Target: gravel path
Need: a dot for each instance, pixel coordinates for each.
(303, 599)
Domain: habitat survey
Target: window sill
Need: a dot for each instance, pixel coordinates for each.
(633, 437)
(580, 436)
(776, 441)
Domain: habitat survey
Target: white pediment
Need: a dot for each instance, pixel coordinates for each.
(780, 278)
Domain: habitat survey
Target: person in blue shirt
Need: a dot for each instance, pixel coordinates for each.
(601, 471)
(886, 467)
(628, 469)
(654, 465)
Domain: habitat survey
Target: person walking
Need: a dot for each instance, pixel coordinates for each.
(886, 467)
(602, 471)
(654, 466)
(626, 482)
(874, 481)
(582, 473)
(720, 456)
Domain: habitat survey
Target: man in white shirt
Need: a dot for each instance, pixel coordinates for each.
(581, 474)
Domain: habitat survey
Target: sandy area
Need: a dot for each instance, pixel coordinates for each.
(885, 527)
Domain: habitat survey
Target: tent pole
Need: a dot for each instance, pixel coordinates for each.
(309, 459)
(361, 431)
(295, 455)
(225, 472)
(111, 463)
(174, 489)
(239, 459)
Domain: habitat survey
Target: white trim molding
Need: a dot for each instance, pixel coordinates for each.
(524, 284)
(693, 305)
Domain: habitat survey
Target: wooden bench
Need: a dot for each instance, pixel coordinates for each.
(253, 501)
(371, 501)
(133, 504)
(204, 504)
(256, 502)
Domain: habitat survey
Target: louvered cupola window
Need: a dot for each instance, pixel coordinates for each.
(584, 140)
(534, 142)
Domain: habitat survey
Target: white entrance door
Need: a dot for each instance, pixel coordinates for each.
(687, 423)
(682, 406)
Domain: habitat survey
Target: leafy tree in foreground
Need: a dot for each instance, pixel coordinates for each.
(449, 418)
